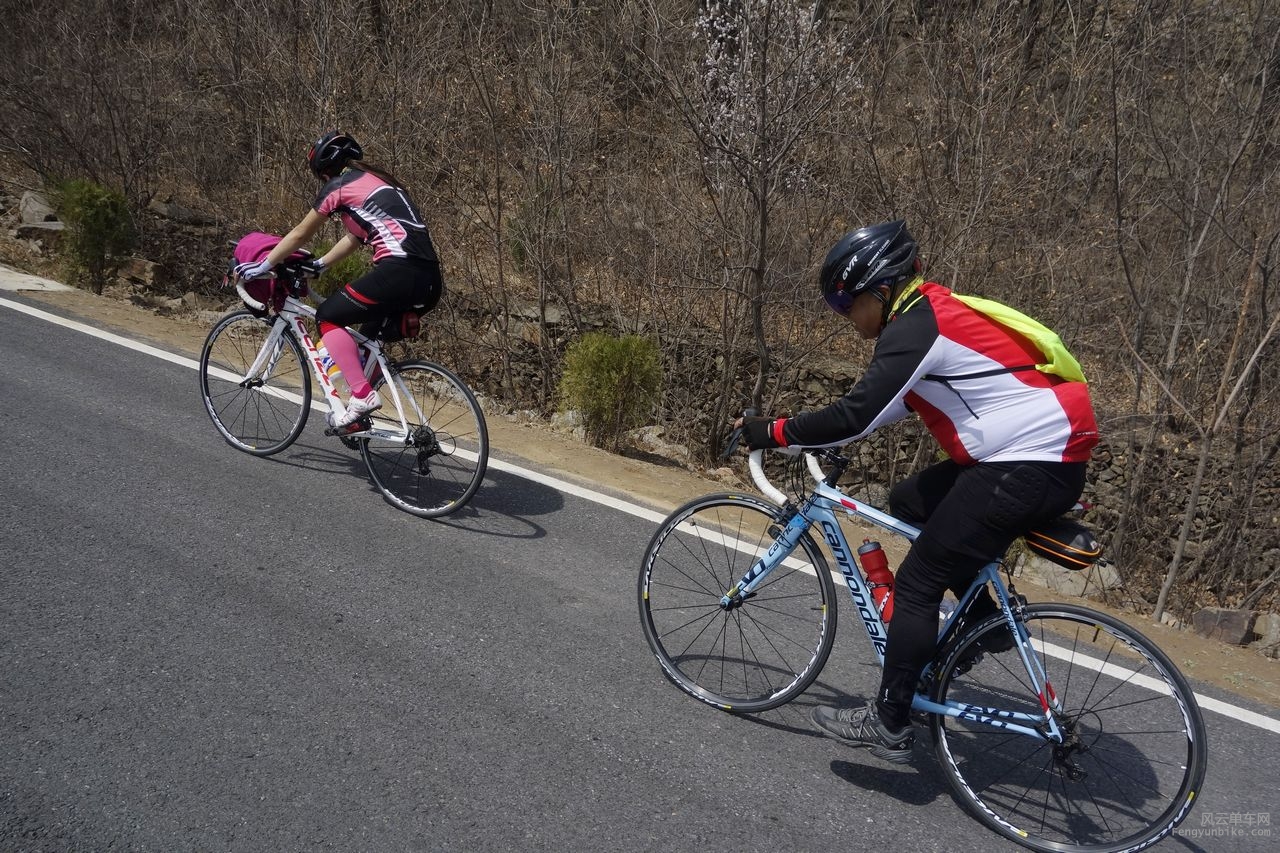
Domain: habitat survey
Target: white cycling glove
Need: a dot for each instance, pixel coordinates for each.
(250, 269)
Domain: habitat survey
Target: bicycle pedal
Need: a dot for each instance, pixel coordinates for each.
(364, 424)
(963, 666)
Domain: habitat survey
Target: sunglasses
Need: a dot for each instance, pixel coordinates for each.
(840, 302)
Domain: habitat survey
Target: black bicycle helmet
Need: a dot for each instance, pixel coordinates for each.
(331, 152)
(875, 254)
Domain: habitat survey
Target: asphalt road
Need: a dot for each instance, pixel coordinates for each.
(202, 650)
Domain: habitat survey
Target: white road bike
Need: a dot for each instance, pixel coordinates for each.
(426, 449)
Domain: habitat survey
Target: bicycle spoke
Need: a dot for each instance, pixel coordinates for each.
(1121, 775)
(702, 589)
(711, 615)
(436, 466)
(769, 644)
(265, 416)
(705, 562)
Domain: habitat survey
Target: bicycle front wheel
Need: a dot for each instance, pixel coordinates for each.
(257, 393)
(752, 657)
(1134, 753)
(439, 465)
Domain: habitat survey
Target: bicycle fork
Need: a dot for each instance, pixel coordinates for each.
(784, 542)
(264, 365)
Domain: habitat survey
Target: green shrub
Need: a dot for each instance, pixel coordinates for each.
(343, 272)
(613, 382)
(100, 233)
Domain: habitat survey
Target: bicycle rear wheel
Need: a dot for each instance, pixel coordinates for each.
(753, 657)
(261, 413)
(1135, 750)
(441, 464)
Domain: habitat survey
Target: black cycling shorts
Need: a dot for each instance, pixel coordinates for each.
(392, 287)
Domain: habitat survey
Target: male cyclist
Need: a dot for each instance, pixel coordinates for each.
(1012, 413)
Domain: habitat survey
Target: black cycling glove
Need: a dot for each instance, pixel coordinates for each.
(759, 433)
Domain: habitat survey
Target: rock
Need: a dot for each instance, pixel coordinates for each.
(1267, 629)
(178, 213)
(652, 440)
(33, 209)
(874, 494)
(47, 231)
(139, 270)
(569, 421)
(531, 333)
(1169, 619)
(488, 405)
(523, 416)
(1229, 626)
(1098, 577)
(1266, 623)
(724, 475)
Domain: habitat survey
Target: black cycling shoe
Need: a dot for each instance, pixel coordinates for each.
(992, 642)
(995, 642)
(862, 727)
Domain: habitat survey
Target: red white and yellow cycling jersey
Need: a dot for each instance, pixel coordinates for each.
(973, 381)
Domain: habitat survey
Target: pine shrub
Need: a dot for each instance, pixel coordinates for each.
(614, 384)
(100, 232)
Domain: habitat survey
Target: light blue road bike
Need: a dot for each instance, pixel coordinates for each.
(1082, 737)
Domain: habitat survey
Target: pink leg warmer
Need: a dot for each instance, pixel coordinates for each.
(345, 354)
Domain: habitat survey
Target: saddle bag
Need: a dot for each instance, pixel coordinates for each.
(399, 327)
(1065, 542)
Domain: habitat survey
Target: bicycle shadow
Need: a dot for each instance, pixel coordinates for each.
(327, 457)
(929, 783)
(506, 496)
(501, 495)
(861, 769)
(793, 717)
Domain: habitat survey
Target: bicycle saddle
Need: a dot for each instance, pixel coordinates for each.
(1065, 542)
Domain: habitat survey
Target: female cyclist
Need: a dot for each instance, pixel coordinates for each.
(376, 210)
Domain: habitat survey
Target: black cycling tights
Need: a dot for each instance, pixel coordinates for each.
(970, 516)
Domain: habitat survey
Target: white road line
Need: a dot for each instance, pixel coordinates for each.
(1207, 703)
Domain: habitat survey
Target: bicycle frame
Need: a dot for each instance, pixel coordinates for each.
(293, 316)
(819, 509)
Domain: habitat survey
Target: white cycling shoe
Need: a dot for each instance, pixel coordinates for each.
(358, 408)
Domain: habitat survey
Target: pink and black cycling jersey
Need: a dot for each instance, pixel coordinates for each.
(378, 214)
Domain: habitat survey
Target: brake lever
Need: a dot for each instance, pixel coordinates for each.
(735, 437)
(309, 269)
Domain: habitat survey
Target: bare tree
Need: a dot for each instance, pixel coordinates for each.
(757, 97)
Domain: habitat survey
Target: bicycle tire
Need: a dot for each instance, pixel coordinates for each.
(1140, 753)
(754, 657)
(444, 461)
(265, 414)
